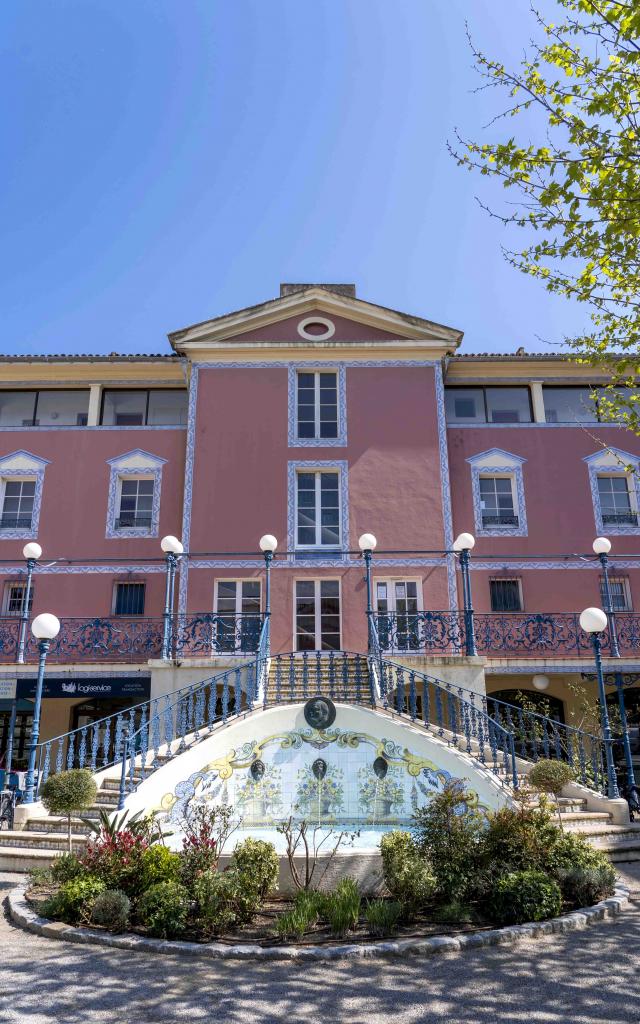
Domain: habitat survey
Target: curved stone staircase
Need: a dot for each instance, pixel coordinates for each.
(175, 723)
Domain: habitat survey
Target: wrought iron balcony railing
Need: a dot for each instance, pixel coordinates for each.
(500, 634)
(11, 521)
(619, 518)
(499, 520)
(138, 638)
(130, 521)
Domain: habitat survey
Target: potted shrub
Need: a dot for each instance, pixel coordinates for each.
(69, 793)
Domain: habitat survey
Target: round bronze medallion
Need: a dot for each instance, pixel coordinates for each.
(320, 712)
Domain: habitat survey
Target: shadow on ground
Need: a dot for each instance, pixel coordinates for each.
(589, 977)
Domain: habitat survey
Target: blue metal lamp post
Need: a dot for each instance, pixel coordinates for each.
(463, 546)
(602, 547)
(594, 622)
(268, 545)
(45, 628)
(367, 544)
(172, 548)
(32, 552)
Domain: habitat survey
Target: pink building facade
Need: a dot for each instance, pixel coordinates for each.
(315, 417)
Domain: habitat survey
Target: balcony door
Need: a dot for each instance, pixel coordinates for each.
(397, 606)
(238, 615)
(317, 615)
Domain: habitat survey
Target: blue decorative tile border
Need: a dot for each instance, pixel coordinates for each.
(292, 469)
(292, 418)
(35, 471)
(597, 465)
(126, 467)
(512, 467)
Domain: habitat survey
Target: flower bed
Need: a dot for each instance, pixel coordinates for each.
(457, 872)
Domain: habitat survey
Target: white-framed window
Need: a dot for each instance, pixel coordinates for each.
(317, 615)
(318, 509)
(129, 597)
(497, 486)
(620, 594)
(18, 497)
(505, 594)
(614, 478)
(14, 596)
(317, 406)
(238, 608)
(21, 485)
(498, 502)
(618, 505)
(397, 603)
(133, 506)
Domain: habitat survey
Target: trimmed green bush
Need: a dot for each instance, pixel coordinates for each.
(525, 896)
(224, 899)
(259, 861)
(383, 917)
(111, 910)
(157, 864)
(69, 793)
(163, 909)
(407, 873)
(519, 839)
(550, 776)
(582, 887)
(74, 900)
(66, 867)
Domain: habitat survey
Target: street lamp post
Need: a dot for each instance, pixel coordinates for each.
(268, 545)
(463, 546)
(367, 544)
(594, 622)
(172, 548)
(45, 628)
(602, 547)
(32, 552)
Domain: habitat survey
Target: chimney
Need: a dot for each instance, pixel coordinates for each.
(340, 289)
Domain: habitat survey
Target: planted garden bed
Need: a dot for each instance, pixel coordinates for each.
(457, 871)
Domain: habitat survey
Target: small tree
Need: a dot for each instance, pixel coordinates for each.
(551, 776)
(69, 793)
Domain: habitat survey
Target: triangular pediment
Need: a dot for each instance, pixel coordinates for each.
(277, 321)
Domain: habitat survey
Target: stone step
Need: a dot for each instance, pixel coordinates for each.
(41, 840)
(25, 858)
(56, 824)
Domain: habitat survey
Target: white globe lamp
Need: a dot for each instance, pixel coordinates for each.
(45, 626)
(367, 542)
(32, 550)
(464, 542)
(171, 545)
(268, 543)
(593, 620)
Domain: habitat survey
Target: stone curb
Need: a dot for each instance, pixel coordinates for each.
(22, 914)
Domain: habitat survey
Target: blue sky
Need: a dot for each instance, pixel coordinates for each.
(169, 160)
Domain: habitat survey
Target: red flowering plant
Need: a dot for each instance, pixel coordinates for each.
(116, 858)
(206, 830)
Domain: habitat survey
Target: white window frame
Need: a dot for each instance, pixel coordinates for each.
(391, 581)
(316, 580)
(6, 597)
(237, 648)
(626, 586)
(341, 392)
(134, 465)
(498, 463)
(23, 465)
(614, 462)
(330, 466)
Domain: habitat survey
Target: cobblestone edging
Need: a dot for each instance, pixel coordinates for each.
(22, 914)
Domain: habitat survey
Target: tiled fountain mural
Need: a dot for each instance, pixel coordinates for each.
(329, 775)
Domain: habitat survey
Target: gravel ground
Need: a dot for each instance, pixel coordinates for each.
(588, 977)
